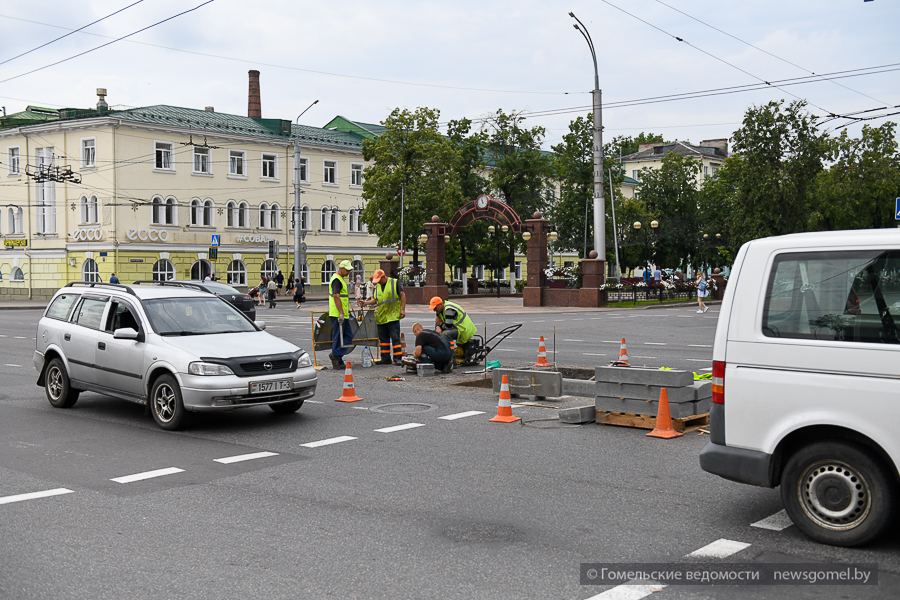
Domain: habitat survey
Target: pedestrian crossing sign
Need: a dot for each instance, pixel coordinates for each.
(215, 240)
(897, 209)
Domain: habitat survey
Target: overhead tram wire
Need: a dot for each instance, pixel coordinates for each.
(74, 31)
(714, 57)
(763, 50)
(109, 43)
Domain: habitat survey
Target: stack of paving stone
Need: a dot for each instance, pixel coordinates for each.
(636, 390)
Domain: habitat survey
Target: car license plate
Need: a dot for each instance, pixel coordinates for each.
(267, 387)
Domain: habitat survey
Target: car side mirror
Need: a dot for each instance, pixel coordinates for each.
(126, 333)
(261, 325)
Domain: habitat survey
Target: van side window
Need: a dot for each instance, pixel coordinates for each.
(61, 306)
(837, 296)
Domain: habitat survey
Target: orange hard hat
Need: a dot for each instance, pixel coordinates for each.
(435, 302)
(377, 276)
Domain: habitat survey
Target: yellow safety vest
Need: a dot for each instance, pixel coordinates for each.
(345, 297)
(387, 302)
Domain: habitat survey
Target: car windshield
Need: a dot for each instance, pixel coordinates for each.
(195, 316)
(220, 289)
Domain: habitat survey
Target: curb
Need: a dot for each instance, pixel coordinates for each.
(679, 305)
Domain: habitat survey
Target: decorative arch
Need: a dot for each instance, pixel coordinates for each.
(485, 207)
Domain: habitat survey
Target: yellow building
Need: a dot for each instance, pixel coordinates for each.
(142, 193)
(710, 153)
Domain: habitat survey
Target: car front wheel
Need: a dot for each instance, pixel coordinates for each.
(837, 493)
(166, 405)
(57, 386)
(286, 408)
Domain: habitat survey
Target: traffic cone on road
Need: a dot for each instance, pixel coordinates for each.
(664, 427)
(542, 355)
(348, 394)
(623, 360)
(504, 408)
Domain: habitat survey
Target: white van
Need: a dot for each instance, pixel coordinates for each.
(806, 379)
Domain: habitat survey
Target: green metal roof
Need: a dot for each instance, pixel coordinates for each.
(30, 116)
(366, 130)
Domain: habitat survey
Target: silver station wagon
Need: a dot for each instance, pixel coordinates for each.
(176, 349)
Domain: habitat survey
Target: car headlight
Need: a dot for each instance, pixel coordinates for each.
(303, 361)
(206, 368)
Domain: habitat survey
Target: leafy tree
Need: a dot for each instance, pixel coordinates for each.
(412, 154)
(622, 145)
(469, 146)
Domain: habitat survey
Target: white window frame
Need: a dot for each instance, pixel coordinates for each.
(88, 153)
(263, 216)
(269, 159)
(335, 222)
(205, 167)
(274, 216)
(158, 271)
(15, 160)
(17, 274)
(163, 156)
(325, 220)
(14, 220)
(236, 273)
(269, 268)
(83, 206)
(196, 212)
(356, 175)
(304, 170)
(92, 275)
(334, 172)
(243, 215)
(304, 218)
(46, 195)
(208, 206)
(326, 272)
(171, 202)
(231, 212)
(157, 210)
(237, 158)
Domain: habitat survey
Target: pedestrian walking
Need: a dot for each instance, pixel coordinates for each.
(279, 281)
(389, 301)
(702, 292)
(272, 291)
(290, 285)
(339, 314)
(113, 278)
(262, 288)
(300, 292)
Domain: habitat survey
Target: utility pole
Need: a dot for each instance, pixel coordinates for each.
(299, 231)
(612, 205)
(402, 210)
(597, 96)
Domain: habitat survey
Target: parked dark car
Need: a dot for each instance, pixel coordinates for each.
(240, 301)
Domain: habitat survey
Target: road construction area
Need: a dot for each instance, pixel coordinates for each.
(409, 493)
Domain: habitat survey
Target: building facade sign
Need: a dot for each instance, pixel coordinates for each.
(91, 234)
(150, 234)
(253, 238)
(13, 243)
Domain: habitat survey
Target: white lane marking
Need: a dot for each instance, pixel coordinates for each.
(720, 548)
(537, 339)
(654, 344)
(537, 321)
(504, 350)
(609, 341)
(501, 323)
(592, 354)
(639, 356)
(328, 442)
(20, 337)
(703, 360)
(147, 475)
(315, 402)
(2, 335)
(462, 415)
(10, 365)
(242, 457)
(628, 592)
(34, 495)
(560, 320)
(573, 340)
(776, 522)
(400, 427)
(359, 408)
(699, 345)
(706, 369)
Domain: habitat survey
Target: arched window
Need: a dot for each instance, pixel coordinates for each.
(243, 214)
(354, 219)
(17, 274)
(304, 218)
(93, 210)
(163, 270)
(85, 216)
(359, 270)
(269, 268)
(326, 219)
(171, 211)
(230, 213)
(237, 273)
(200, 270)
(207, 213)
(304, 273)
(90, 272)
(15, 219)
(157, 216)
(334, 218)
(274, 217)
(196, 212)
(328, 270)
(264, 216)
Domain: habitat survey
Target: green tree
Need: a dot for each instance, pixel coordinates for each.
(413, 155)
(469, 168)
(670, 195)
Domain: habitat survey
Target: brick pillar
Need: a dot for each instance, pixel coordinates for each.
(389, 265)
(536, 255)
(593, 271)
(435, 259)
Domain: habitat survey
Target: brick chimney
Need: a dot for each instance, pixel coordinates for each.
(254, 102)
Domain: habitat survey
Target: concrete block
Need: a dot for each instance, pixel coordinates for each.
(644, 407)
(702, 406)
(637, 391)
(578, 414)
(669, 379)
(579, 387)
(530, 383)
(703, 389)
(425, 370)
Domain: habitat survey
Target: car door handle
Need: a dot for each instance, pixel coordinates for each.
(101, 345)
(67, 337)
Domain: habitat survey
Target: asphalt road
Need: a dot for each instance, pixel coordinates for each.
(379, 499)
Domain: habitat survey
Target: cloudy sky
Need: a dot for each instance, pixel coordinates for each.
(466, 58)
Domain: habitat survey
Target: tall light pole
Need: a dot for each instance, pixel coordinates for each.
(299, 231)
(596, 94)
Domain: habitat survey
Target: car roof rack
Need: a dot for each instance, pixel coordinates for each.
(95, 284)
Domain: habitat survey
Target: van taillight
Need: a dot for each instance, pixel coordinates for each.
(718, 382)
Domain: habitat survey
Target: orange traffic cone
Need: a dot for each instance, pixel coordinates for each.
(504, 408)
(542, 355)
(349, 392)
(623, 360)
(664, 427)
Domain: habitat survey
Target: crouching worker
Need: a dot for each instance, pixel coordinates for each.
(432, 347)
(453, 323)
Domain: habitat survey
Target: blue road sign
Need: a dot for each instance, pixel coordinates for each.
(215, 240)
(897, 209)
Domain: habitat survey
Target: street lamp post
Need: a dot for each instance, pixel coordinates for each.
(596, 94)
(299, 231)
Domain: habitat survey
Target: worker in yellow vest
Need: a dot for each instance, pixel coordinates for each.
(452, 321)
(389, 301)
(339, 314)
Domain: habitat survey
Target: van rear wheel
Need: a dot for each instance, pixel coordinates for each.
(837, 493)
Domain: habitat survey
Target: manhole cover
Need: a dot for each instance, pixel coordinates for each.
(404, 407)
